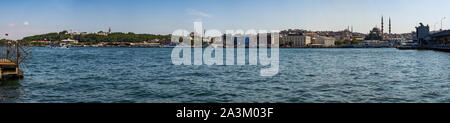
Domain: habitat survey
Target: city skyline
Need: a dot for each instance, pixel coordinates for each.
(29, 17)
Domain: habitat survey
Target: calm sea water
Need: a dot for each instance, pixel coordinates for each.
(143, 75)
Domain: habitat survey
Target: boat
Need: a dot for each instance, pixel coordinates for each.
(169, 46)
(59, 46)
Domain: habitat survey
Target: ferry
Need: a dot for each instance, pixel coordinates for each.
(59, 46)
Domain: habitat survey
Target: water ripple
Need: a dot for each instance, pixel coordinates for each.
(139, 75)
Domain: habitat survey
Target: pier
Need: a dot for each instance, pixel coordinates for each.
(10, 60)
(443, 49)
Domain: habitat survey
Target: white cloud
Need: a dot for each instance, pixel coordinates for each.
(26, 23)
(198, 13)
(11, 25)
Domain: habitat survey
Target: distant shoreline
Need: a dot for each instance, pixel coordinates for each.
(245, 48)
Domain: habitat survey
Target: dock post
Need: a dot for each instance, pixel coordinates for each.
(7, 51)
(18, 58)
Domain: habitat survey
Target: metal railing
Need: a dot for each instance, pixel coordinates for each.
(10, 52)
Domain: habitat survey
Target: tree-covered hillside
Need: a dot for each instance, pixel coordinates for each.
(96, 38)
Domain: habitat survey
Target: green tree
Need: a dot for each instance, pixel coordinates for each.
(63, 32)
(291, 43)
(180, 39)
(88, 38)
(4, 41)
(355, 41)
(339, 42)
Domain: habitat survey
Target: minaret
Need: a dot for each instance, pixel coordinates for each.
(382, 25)
(351, 33)
(390, 28)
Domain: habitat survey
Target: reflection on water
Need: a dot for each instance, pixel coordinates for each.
(9, 91)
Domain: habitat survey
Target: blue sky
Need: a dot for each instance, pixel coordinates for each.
(28, 17)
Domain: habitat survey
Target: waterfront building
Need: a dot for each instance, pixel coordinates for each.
(322, 41)
(101, 33)
(293, 32)
(396, 40)
(268, 42)
(166, 41)
(346, 34)
(155, 41)
(374, 44)
(70, 41)
(441, 39)
(296, 40)
(145, 44)
(359, 38)
(40, 43)
(422, 34)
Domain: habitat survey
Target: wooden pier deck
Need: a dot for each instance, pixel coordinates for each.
(9, 69)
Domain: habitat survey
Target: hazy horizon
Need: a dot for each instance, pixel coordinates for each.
(30, 17)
